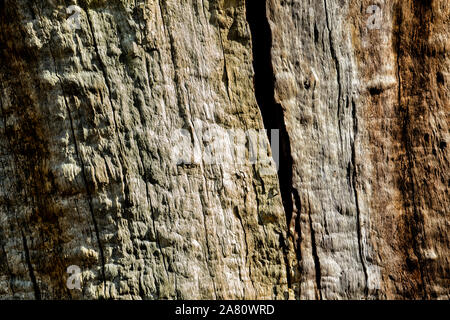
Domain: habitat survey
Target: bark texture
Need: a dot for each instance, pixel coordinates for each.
(366, 111)
(98, 111)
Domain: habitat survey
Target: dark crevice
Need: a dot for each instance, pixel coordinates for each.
(355, 192)
(271, 111)
(315, 255)
(338, 70)
(298, 225)
(37, 291)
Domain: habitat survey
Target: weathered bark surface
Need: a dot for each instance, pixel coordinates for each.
(90, 146)
(89, 118)
(367, 114)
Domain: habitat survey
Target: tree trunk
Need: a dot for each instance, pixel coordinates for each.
(135, 164)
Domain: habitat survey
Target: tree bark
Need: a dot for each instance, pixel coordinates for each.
(133, 149)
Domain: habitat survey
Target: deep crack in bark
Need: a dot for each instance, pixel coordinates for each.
(272, 112)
